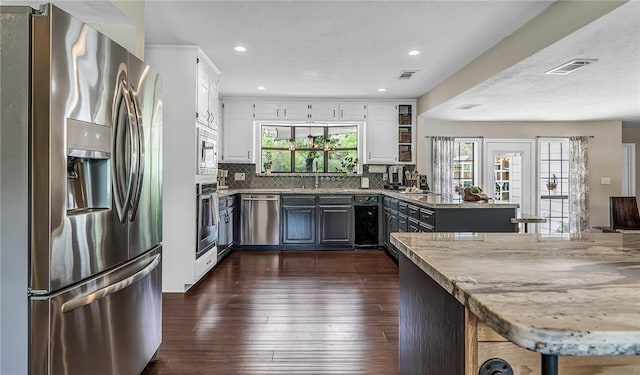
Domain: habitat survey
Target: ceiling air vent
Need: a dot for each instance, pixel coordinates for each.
(571, 66)
(468, 106)
(406, 74)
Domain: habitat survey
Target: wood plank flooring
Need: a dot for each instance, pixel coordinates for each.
(288, 312)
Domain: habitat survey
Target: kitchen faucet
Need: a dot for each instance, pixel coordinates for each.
(316, 176)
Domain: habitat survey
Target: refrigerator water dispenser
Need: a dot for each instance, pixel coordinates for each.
(88, 170)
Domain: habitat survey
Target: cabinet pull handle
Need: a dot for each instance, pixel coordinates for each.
(369, 155)
(334, 113)
(277, 112)
(341, 113)
(285, 112)
(248, 156)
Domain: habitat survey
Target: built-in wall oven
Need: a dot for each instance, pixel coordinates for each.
(208, 219)
(207, 152)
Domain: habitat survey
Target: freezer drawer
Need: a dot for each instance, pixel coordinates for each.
(111, 324)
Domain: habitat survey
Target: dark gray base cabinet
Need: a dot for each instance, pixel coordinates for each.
(299, 225)
(336, 225)
(226, 225)
(317, 220)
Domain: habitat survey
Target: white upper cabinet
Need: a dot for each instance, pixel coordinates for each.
(203, 94)
(353, 111)
(237, 133)
(207, 92)
(281, 111)
(295, 111)
(266, 111)
(325, 111)
(214, 110)
(335, 111)
(381, 134)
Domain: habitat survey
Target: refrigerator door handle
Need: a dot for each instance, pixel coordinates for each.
(123, 198)
(99, 294)
(140, 151)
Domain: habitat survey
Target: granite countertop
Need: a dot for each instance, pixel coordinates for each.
(425, 200)
(434, 200)
(553, 296)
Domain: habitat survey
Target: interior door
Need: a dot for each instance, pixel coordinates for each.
(509, 173)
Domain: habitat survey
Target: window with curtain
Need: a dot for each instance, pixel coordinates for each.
(304, 148)
(465, 163)
(553, 185)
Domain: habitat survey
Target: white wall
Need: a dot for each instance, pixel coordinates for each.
(605, 149)
(130, 36)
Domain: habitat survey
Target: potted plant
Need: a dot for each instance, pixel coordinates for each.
(349, 164)
(268, 164)
(552, 183)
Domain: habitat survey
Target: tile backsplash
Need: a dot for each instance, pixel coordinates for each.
(253, 181)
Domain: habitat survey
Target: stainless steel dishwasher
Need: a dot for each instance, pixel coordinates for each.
(260, 219)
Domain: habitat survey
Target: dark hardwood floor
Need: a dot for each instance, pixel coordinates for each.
(289, 312)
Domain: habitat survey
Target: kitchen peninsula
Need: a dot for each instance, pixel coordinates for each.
(462, 296)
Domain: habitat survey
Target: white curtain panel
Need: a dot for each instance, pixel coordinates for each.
(442, 166)
(578, 185)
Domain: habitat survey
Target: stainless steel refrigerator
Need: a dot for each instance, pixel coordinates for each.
(80, 185)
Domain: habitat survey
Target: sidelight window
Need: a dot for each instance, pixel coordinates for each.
(554, 185)
(465, 163)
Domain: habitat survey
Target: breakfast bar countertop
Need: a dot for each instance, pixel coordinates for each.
(555, 296)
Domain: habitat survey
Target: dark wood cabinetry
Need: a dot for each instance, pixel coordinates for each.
(403, 216)
(336, 224)
(321, 220)
(298, 220)
(336, 219)
(226, 227)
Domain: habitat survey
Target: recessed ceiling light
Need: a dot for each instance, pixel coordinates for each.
(414, 52)
(240, 49)
(261, 88)
(382, 90)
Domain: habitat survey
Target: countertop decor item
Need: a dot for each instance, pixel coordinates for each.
(552, 183)
(472, 194)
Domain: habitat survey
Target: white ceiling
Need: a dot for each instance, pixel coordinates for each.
(89, 11)
(608, 89)
(336, 49)
(349, 49)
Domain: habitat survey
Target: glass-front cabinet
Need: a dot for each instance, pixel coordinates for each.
(406, 130)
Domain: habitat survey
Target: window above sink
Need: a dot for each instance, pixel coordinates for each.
(290, 148)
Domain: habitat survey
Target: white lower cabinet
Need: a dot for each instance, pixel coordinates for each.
(206, 262)
(237, 133)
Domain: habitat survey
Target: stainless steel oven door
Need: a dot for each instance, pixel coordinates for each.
(207, 221)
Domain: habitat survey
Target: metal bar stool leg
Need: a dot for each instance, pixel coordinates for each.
(549, 364)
